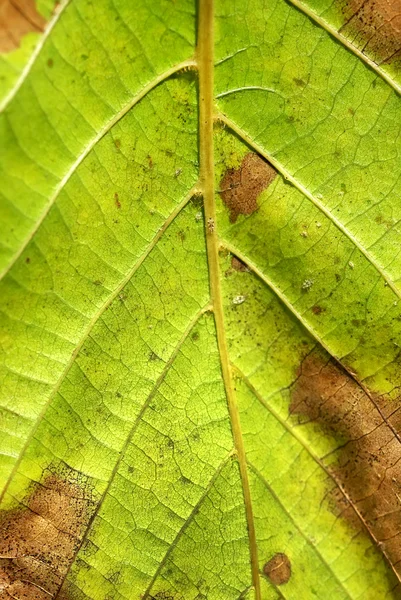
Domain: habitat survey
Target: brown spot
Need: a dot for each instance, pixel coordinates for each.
(150, 161)
(117, 200)
(240, 188)
(317, 310)
(375, 25)
(117, 144)
(17, 18)
(27, 260)
(278, 569)
(50, 63)
(368, 466)
(238, 265)
(39, 539)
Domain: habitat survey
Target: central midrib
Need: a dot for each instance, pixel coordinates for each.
(205, 59)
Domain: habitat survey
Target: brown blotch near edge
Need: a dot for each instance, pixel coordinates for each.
(39, 539)
(374, 26)
(238, 265)
(368, 466)
(278, 569)
(17, 18)
(240, 188)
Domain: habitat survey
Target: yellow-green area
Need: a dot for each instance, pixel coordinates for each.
(111, 354)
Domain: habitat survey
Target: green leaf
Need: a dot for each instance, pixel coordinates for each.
(200, 303)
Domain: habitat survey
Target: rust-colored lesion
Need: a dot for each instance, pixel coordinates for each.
(39, 539)
(278, 569)
(17, 18)
(374, 26)
(240, 188)
(368, 465)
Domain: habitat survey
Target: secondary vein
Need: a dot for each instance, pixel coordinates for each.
(109, 125)
(57, 12)
(133, 429)
(91, 325)
(345, 42)
(315, 457)
(301, 188)
(316, 336)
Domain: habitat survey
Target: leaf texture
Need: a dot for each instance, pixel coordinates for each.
(200, 302)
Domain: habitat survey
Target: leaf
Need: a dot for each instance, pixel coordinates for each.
(200, 303)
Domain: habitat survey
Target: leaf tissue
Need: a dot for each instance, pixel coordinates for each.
(200, 300)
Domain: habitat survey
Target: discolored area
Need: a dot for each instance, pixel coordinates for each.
(368, 466)
(238, 265)
(240, 188)
(374, 26)
(17, 18)
(38, 540)
(278, 569)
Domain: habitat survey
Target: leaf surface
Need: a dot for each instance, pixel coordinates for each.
(200, 304)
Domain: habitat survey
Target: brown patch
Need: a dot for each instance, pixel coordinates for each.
(117, 200)
(375, 25)
(240, 188)
(317, 310)
(39, 539)
(17, 18)
(238, 265)
(368, 467)
(165, 596)
(278, 569)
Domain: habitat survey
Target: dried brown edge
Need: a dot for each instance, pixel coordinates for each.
(205, 58)
(59, 8)
(205, 7)
(261, 276)
(367, 454)
(18, 19)
(346, 43)
(39, 536)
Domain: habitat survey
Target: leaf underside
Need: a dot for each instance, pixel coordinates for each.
(200, 300)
